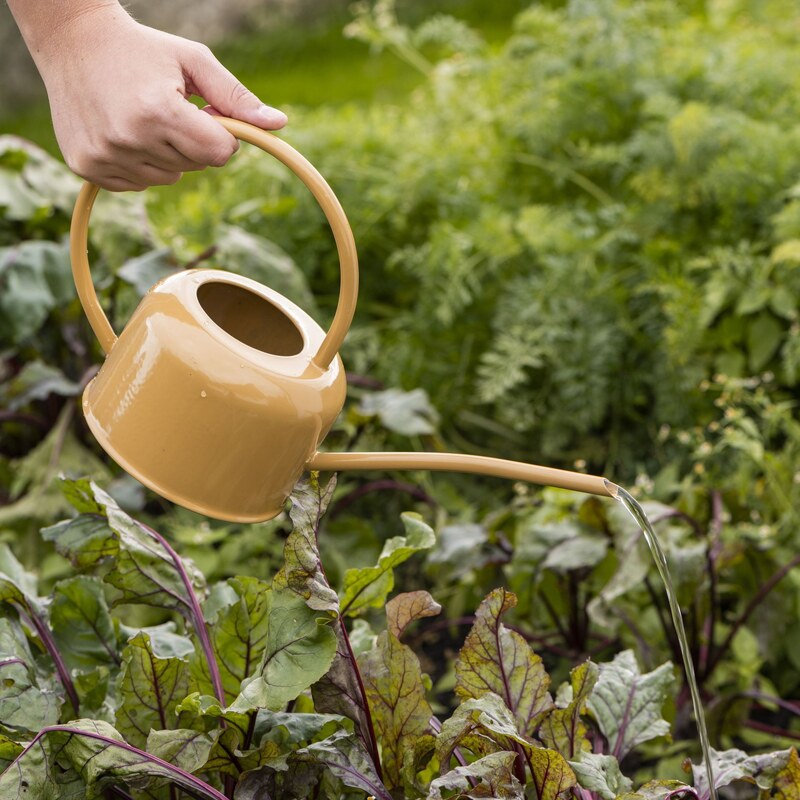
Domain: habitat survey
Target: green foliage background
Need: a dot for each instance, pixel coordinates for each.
(580, 246)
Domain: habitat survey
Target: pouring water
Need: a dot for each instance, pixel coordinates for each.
(637, 512)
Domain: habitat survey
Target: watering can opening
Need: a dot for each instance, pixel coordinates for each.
(250, 318)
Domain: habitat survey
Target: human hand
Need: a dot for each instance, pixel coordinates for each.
(118, 97)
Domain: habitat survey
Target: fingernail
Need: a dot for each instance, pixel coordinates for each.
(272, 116)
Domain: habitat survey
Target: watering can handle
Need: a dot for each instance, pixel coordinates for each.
(343, 236)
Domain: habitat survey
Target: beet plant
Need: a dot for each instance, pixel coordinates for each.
(280, 686)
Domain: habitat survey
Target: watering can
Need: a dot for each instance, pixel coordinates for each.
(219, 391)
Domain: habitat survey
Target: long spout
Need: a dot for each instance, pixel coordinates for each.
(458, 462)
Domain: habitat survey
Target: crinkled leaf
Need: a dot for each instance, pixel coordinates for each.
(659, 790)
(562, 729)
(787, 781)
(82, 627)
(367, 587)
(302, 571)
(396, 695)
(601, 774)
(24, 706)
(736, 765)
(489, 777)
(627, 704)
(407, 413)
(186, 749)
(552, 774)
(343, 755)
(404, 608)
(96, 754)
(238, 636)
(151, 688)
(38, 774)
(142, 569)
(299, 649)
(482, 725)
(289, 729)
(496, 659)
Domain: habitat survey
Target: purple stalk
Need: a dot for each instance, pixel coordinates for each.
(181, 775)
(196, 612)
(50, 645)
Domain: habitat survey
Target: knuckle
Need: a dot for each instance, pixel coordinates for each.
(239, 92)
(219, 154)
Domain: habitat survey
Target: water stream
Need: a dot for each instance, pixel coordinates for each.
(637, 512)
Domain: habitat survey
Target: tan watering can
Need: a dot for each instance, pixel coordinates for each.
(219, 391)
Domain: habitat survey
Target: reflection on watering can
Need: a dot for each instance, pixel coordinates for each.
(219, 391)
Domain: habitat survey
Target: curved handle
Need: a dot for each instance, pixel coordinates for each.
(343, 236)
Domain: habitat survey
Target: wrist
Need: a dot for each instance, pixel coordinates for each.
(52, 26)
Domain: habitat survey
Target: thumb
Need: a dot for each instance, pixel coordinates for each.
(227, 95)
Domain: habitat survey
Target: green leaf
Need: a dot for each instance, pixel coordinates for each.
(145, 271)
(302, 571)
(141, 567)
(37, 381)
(496, 659)
(82, 627)
(186, 749)
(600, 774)
(627, 704)
(396, 695)
(764, 337)
(735, 765)
(9, 750)
(407, 413)
(83, 759)
(24, 705)
(151, 689)
(238, 635)
(562, 729)
(367, 587)
(299, 649)
(344, 757)
(31, 286)
(407, 607)
(489, 777)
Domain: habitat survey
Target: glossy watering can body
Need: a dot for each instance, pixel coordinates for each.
(219, 390)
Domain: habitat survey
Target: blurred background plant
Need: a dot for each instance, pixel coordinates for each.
(579, 231)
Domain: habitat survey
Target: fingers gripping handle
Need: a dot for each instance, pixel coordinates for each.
(343, 236)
